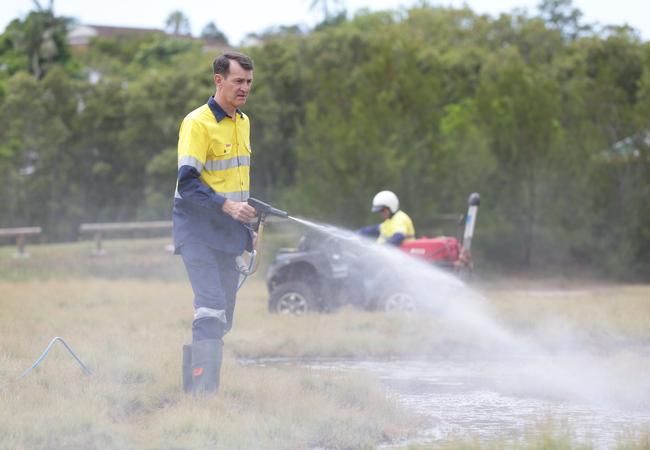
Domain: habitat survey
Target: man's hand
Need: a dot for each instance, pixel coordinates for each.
(240, 211)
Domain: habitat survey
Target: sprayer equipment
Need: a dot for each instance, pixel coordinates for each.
(263, 211)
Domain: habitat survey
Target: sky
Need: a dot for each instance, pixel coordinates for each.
(239, 18)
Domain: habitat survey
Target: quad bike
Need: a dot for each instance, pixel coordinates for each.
(325, 271)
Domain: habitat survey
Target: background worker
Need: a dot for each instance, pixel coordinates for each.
(210, 213)
(397, 226)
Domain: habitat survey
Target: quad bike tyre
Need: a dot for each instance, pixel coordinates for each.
(397, 302)
(293, 297)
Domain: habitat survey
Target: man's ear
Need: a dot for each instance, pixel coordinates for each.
(218, 79)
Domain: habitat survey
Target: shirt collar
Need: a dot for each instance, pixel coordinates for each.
(218, 111)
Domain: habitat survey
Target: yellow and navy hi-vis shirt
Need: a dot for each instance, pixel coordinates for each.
(214, 155)
(397, 227)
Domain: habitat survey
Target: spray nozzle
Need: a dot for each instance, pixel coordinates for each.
(264, 209)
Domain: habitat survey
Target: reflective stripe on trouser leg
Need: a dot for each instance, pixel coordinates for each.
(214, 277)
(202, 311)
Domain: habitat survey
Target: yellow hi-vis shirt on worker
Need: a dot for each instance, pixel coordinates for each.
(214, 158)
(219, 150)
(400, 222)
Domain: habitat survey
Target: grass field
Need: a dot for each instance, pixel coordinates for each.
(127, 314)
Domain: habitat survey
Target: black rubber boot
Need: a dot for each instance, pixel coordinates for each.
(206, 365)
(187, 368)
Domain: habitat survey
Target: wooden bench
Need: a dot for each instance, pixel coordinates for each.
(20, 235)
(99, 229)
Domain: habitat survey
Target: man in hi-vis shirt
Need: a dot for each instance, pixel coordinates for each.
(211, 215)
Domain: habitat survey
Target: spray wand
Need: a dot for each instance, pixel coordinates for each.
(263, 211)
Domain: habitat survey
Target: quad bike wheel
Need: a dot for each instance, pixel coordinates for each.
(398, 301)
(293, 297)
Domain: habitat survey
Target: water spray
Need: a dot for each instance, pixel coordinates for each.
(265, 210)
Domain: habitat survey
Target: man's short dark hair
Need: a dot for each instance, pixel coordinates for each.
(221, 64)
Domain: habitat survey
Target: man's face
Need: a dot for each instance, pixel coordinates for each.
(234, 88)
(385, 213)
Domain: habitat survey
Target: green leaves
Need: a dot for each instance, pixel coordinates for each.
(432, 103)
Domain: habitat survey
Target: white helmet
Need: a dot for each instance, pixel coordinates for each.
(385, 199)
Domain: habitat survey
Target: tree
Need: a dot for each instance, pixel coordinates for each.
(327, 7)
(211, 32)
(43, 183)
(177, 23)
(432, 103)
(162, 49)
(40, 39)
(561, 14)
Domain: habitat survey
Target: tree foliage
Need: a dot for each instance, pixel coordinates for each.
(36, 43)
(210, 31)
(544, 115)
(178, 23)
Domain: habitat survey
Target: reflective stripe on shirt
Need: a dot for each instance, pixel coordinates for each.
(190, 161)
(224, 164)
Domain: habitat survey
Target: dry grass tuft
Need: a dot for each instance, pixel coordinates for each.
(130, 333)
(127, 315)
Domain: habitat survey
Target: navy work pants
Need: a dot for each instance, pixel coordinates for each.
(214, 278)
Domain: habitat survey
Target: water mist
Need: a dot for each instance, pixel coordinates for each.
(496, 380)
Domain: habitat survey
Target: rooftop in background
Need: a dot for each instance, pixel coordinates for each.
(80, 36)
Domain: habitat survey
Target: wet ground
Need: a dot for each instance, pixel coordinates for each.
(507, 398)
(500, 399)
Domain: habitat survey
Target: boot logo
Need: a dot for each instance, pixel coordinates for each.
(197, 372)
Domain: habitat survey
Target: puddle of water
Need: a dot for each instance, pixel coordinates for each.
(497, 399)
